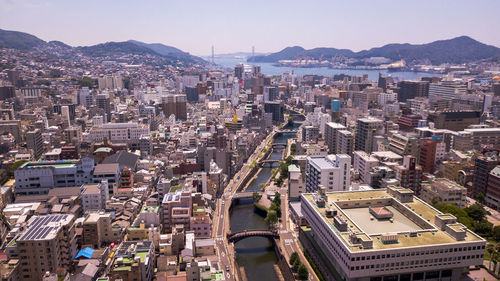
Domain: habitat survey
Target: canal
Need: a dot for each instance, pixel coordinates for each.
(256, 254)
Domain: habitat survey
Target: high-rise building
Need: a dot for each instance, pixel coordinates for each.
(103, 101)
(431, 151)
(239, 71)
(386, 234)
(84, 97)
(409, 174)
(363, 164)
(47, 244)
(34, 142)
(482, 169)
(412, 89)
(332, 171)
(331, 132)
(493, 189)
(175, 105)
(277, 109)
(110, 82)
(345, 142)
(192, 94)
(366, 129)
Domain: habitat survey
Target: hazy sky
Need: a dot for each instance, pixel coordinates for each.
(270, 25)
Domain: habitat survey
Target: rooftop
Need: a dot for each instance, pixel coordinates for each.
(412, 221)
(45, 227)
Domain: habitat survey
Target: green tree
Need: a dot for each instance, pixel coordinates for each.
(293, 148)
(480, 198)
(262, 186)
(476, 212)
(87, 82)
(256, 196)
(277, 198)
(277, 208)
(296, 264)
(484, 228)
(13, 167)
(271, 218)
(496, 233)
(293, 257)
(302, 272)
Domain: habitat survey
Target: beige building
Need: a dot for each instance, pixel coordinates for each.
(387, 234)
(443, 190)
(97, 229)
(48, 243)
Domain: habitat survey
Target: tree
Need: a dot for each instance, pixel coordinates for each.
(484, 228)
(480, 198)
(87, 82)
(262, 185)
(293, 148)
(496, 233)
(13, 167)
(277, 198)
(277, 208)
(256, 196)
(293, 257)
(296, 264)
(302, 272)
(271, 218)
(476, 212)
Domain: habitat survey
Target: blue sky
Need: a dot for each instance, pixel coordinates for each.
(231, 26)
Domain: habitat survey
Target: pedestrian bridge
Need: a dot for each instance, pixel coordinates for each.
(279, 144)
(237, 236)
(244, 195)
(269, 162)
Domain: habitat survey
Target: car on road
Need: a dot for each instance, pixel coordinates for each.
(227, 267)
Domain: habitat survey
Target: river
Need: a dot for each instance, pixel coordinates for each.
(269, 69)
(256, 254)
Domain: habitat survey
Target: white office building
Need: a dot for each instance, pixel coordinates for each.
(36, 178)
(119, 132)
(332, 171)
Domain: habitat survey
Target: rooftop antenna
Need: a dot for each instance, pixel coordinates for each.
(213, 55)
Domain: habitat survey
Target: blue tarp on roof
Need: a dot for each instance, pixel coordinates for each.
(86, 253)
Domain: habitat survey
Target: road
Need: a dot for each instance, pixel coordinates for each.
(225, 251)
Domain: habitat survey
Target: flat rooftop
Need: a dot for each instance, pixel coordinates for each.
(416, 218)
(370, 225)
(45, 227)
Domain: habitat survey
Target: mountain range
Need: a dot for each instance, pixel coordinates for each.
(461, 49)
(26, 42)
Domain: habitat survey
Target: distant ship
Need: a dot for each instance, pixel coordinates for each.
(397, 66)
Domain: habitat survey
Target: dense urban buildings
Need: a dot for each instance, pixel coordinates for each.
(119, 163)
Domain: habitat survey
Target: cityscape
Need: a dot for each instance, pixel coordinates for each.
(125, 160)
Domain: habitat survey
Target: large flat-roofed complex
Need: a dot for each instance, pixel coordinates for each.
(389, 234)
